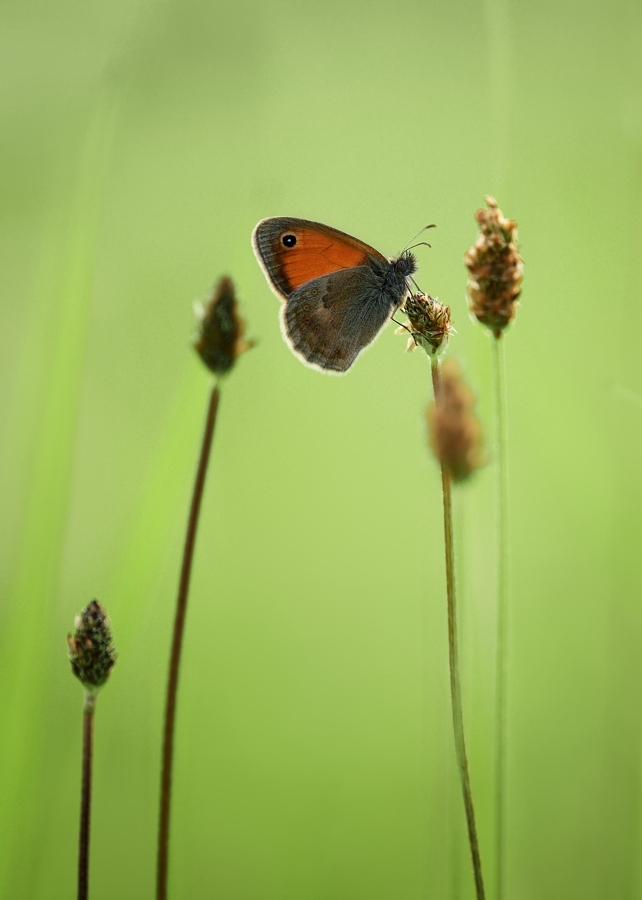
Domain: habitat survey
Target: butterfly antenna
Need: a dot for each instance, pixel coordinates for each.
(425, 228)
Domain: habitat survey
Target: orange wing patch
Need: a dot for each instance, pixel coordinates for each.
(293, 252)
(315, 254)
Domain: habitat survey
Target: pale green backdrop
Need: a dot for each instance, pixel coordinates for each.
(140, 144)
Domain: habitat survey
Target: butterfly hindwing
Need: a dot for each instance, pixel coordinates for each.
(325, 327)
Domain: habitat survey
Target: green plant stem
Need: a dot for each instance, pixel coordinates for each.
(501, 662)
(453, 655)
(85, 794)
(177, 642)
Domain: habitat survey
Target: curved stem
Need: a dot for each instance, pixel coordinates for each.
(177, 643)
(85, 795)
(453, 655)
(501, 661)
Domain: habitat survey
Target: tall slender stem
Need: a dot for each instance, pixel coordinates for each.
(453, 655)
(501, 662)
(85, 795)
(177, 642)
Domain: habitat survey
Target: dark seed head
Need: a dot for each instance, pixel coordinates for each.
(91, 648)
(220, 339)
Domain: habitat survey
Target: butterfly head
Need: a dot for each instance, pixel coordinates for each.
(406, 264)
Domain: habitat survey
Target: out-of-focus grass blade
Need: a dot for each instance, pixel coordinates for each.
(161, 513)
(29, 603)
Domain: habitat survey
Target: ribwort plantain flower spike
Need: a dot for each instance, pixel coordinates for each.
(429, 323)
(91, 648)
(495, 269)
(454, 430)
(221, 334)
(219, 342)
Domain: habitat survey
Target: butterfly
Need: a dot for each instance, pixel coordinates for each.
(338, 291)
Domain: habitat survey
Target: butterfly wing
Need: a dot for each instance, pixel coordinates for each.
(327, 322)
(293, 252)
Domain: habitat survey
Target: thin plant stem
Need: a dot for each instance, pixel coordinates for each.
(177, 642)
(453, 655)
(85, 794)
(501, 662)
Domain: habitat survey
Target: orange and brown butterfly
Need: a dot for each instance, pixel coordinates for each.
(338, 291)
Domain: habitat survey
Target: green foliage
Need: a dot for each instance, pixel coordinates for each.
(141, 144)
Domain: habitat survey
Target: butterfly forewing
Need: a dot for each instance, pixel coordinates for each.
(293, 252)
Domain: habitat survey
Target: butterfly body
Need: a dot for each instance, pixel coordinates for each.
(339, 292)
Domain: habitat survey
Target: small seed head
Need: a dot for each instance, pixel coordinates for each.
(220, 339)
(495, 269)
(428, 322)
(91, 648)
(453, 428)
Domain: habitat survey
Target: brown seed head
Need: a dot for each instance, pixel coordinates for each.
(453, 428)
(91, 648)
(428, 322)
(220, 339)
(495, 269)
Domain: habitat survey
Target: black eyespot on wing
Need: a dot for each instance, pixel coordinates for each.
(288, 240)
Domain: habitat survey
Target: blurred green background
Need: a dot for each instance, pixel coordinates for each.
(141, 142)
